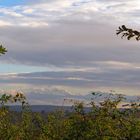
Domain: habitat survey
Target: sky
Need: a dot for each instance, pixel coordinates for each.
(69, 45)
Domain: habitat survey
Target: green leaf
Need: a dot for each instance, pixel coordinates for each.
(2, 50)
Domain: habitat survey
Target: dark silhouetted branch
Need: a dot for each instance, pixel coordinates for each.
(128, 33)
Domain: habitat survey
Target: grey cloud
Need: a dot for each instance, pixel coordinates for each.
(110, 77)
(68, 43)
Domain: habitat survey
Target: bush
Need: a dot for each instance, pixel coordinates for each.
(103, 122)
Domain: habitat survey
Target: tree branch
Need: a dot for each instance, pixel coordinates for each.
(128, 33)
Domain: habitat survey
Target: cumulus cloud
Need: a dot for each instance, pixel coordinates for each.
(44, 13)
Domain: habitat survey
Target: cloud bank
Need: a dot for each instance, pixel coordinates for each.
(76, 39)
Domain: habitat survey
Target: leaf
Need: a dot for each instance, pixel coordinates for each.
(124, 28)
(2, 50)
(93, 93)
(118, 32)
(136, 32)
(129, 37)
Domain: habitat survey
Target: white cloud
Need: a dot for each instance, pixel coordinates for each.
(28, 11)
(52, 11)
(5, 23)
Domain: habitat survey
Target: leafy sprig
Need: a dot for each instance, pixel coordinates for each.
(128, 33)
(2, 50)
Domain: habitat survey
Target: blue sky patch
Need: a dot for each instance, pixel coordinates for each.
(11, 2)
(18, 68)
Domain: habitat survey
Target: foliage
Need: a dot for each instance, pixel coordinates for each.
(129, 33)
(103, 122)
(2, 50)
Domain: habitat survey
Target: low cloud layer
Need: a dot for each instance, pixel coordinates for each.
(104, 74)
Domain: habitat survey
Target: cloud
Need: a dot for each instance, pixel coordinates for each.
(66, 44)
(50, 12)
(61, 97)
(76, 38)
(105, 74)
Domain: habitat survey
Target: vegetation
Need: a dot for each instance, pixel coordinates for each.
(128, 33)
(2, 50)
(103, 122)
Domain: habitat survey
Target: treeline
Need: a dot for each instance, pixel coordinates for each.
(103, 122)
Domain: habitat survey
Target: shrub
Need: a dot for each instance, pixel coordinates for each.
(103, 122)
